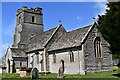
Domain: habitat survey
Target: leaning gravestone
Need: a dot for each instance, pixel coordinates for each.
(35, 73)
(60, 73)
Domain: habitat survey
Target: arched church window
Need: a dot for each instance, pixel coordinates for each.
(32, 62)
(62, 64)
(37, 57)
(71, 56)
(33, 19)
(20, 63)
(54, 58)
(97, 47)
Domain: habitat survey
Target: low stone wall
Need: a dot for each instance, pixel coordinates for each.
(18, 70)
(24, 72)
(3, 69)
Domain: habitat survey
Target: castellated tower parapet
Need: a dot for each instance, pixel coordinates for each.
(36, 10)
(29, 22)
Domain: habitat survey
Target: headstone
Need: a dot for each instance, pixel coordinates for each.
(35, 73)
(60, 73)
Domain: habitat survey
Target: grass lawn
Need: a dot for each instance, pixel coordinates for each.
(113, 74)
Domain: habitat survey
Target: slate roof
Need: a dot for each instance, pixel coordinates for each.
(70, 39)
(38, 41)
(16, 52)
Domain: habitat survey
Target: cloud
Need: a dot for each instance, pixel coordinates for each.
(101, 7)
(78, 17)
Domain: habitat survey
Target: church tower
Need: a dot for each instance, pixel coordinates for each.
(29, 22)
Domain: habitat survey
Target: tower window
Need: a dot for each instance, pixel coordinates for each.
(33, 19)
(71, 56)
(20, 20)
(97, 48)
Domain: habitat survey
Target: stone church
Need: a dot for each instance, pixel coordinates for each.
(80, 51)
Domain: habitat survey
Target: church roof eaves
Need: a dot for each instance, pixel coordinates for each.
(16, 52)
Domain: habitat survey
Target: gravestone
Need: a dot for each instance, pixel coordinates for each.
(60, 73)
(35, 73)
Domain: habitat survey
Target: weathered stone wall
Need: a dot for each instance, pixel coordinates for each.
(29, 30)
(70, 67)
(57, 34)
(25, 28)
(18, 61)
(38, 66)
(9, 62)
(28, 19)
(93, 64)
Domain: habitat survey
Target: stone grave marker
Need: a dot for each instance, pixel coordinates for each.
(35, 73)
(60, 73)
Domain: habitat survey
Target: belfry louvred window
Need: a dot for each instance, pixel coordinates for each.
(33, 19)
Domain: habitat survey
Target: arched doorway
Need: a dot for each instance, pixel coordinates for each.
(62, 64)
(8, 66)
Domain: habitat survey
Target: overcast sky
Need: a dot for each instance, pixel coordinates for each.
(72, 14)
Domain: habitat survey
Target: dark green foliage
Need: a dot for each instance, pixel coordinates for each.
(116, 56)
(109, 26)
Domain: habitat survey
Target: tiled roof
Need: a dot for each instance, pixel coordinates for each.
(16, 52)
(70, 39)
(38, 41)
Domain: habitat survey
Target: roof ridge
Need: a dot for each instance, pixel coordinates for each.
(50, 29)
(79, 28)
(52, 35)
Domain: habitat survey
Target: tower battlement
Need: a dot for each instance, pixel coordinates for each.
(36, 10)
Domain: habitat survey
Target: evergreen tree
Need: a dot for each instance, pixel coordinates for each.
(109, 26)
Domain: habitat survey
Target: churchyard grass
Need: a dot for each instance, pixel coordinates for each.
(91, 75)
(113, 74)
(10, 75)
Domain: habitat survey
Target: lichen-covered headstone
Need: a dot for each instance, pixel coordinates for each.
(60, 73)
(35, 73)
